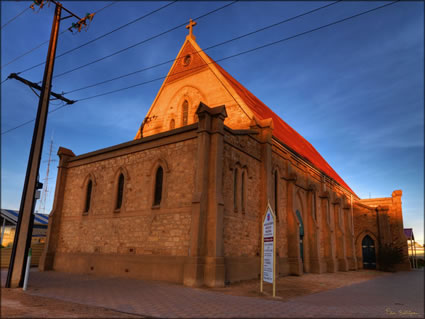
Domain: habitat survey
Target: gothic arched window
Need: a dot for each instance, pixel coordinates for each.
(328, 211)
(172, 124)
(88, 196)
(276, 194)
(158, 186)
(243, 192)
(185, 111)
(120, 192)
(235, 190)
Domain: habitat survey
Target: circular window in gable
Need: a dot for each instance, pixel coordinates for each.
(187, 59)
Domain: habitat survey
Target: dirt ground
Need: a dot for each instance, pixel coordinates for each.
(15, 303)
(295, 286)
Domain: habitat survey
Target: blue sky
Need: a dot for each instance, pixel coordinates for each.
(354, 90)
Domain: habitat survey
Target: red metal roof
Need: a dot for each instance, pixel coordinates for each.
(283, 131)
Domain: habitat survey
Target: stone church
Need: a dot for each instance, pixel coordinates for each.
(183, 202)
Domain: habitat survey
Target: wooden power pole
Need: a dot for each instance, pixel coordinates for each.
(23, 233)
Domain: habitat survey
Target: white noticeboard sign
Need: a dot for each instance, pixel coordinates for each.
(268, 249)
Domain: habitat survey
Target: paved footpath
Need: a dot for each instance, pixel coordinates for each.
(393, 296)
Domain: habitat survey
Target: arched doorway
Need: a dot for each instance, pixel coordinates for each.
(301, 229)
(368, 252)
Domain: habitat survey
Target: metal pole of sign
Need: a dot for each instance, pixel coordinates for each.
(262, 256)
(414, 249)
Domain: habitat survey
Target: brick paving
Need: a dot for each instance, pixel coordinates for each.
(393, 296)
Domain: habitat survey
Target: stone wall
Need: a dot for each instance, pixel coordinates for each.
(138, 227)
(241, 225)
(389, 218)
(365, 223)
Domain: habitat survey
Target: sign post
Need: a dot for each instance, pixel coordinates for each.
(268, 250)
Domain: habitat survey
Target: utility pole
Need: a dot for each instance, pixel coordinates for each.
(23, 233)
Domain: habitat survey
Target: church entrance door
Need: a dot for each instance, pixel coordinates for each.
(368, 250)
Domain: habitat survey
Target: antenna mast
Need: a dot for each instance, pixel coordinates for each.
(45, 191)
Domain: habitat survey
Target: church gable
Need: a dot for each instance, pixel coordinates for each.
(193, 78)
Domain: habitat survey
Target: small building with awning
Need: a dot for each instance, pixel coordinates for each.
(9, 219)
(416, 251)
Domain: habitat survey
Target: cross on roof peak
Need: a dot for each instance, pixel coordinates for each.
(190, 27)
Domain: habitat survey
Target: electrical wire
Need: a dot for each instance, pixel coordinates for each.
(101, 36)
(19, 126)
(246, 51)
(136, 44)
(208, 48)
(117, 29)
(107, 6)
(228, 57)
(47, 41)
(29, 51)
(15, 17)
(30, 121)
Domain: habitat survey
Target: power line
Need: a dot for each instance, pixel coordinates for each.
(30, 121)
(47, 41)
(247, 51)
(15, 17)
(107, 6)
(16, 127)
(101, 36)
(119, 28)
(222, 59)
(138, 43)
(29, 51)
(208, 48)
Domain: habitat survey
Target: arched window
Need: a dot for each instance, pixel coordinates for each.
(172, 124)
(328, 211)
(301, 232)
(158, 186)
(243, 192)
(185, 111)
(120, 192)
(88, 196)
(276, 195)
(235, 190)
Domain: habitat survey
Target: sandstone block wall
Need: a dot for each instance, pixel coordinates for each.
(365, 223)
(241, 227)
(138, 228)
